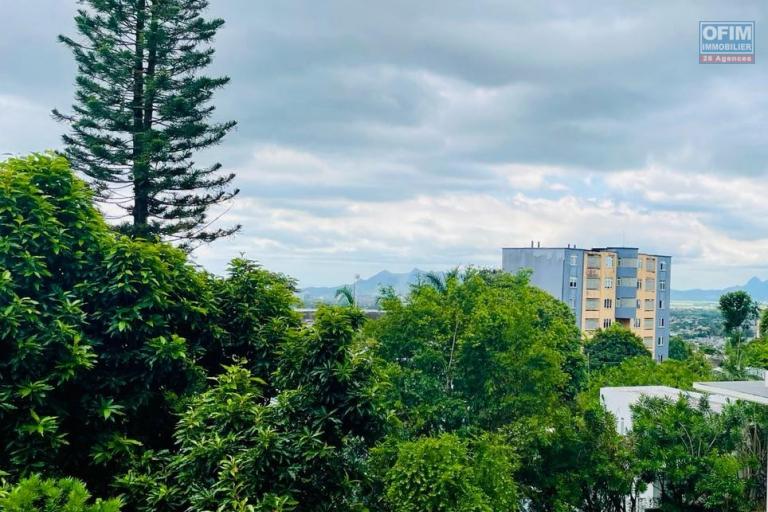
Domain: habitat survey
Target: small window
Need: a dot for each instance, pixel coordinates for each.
(637, 323)
(662, 266)
(609, 282)
(607, 323)
(662, 285)
(660, 341)
(661, 304)
(592, 304)
(609, 262)
(573, 282)
(573, 302)
(574, 260)
(661, 322)
(590, 324)
(639, 284)
(608, 303)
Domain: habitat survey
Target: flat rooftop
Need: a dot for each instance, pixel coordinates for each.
(574, 248)
(749, 390)
(634, 393)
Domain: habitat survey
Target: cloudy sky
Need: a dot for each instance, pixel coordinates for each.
(390, 135)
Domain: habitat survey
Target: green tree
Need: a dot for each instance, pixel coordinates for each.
(763, 330)
(691, 452)
(643, 371)
(737, 309)
(103, 337)
(304, 450)
(447, 474)
(484, 350)
(575, 461)
(346, 295)
(756, 353)
(94, 330)
(143, 110)
(613, 345)
(679, 349)
(63, 495)
(254, 313)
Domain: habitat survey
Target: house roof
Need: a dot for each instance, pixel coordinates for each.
(749, 390)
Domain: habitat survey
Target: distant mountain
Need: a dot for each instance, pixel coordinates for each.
(756, 287)
(366, 289)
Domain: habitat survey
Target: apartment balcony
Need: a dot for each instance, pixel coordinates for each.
(626, 313)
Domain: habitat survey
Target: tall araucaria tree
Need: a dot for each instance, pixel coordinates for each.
(143, 109)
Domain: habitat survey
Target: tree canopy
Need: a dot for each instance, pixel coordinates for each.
(612, 346)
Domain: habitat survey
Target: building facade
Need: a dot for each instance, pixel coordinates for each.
(603, 286)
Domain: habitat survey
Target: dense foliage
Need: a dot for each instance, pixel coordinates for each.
(611, 346)
(127, 367)
(448, 473)
(65, 494)
(102, 334)
(691, 452)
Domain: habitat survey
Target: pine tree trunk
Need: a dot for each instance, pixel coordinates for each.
(140, 165)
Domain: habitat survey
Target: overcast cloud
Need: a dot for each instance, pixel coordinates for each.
(429, 134)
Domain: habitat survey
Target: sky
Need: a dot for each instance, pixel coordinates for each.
(391, 135)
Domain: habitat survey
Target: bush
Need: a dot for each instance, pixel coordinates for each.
(64, 495)
(446, 473)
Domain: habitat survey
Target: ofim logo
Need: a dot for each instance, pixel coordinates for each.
(727, 42)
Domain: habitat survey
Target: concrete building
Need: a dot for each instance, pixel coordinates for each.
(603, 286)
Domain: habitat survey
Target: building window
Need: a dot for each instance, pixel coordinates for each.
(661, 322)
(607, 323)
(608, 303)
(639, 284)
(661, 304)
(590, 324)
(662, 285)
(574, 282)
(660, 341)
(609, 282)
(593, 261)
(629, 282)
(593, 283)
(650, 284)
(662, 266)
(637, 323)
(647, 323)
(593, 304)
(574, 260)
(637, 304)
(609, 262)
(648, 305)
(573, 302)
